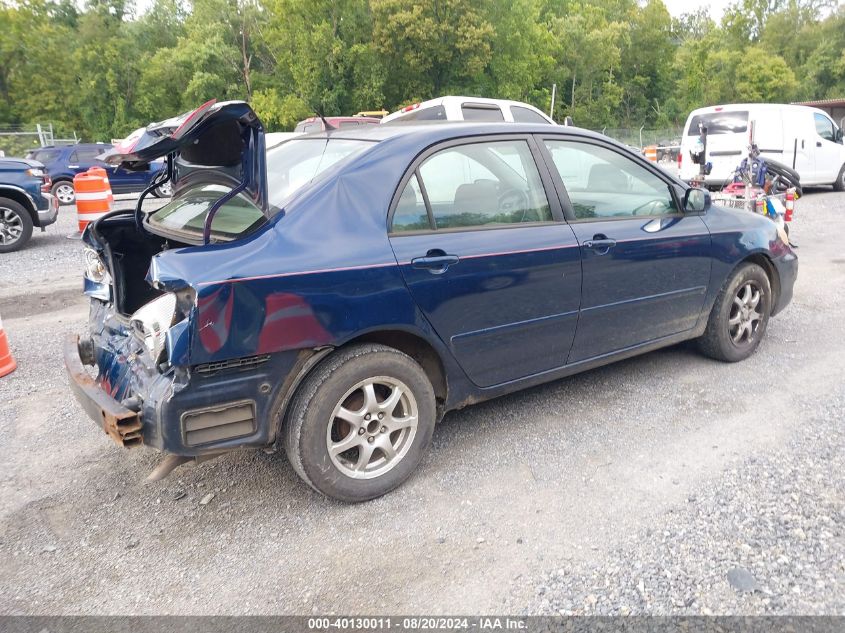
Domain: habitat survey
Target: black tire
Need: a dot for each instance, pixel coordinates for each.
(718, 340)
(59, 187)
(15, 225)
(310, 424)
(839, 183)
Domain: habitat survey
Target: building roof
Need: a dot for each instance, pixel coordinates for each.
(836, 103)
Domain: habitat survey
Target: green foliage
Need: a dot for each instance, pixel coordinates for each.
(102, 68)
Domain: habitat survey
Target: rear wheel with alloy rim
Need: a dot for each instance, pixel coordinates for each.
(63, 190)
(739, 316)
(360, 422)
(15, 226)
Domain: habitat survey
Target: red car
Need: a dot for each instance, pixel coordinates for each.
(315, 123)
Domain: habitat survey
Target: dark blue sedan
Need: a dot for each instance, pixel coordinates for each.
(336, 295)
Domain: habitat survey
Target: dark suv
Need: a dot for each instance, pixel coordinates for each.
(63, 162)
(24, 203)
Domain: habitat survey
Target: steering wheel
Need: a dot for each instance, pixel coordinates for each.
(652, 207)
(512, 200)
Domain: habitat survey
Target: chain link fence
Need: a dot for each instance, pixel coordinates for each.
(642, 137)
(17, 140)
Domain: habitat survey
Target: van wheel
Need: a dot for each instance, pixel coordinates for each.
(15, 226)
(739, 316)
(839, 184)
(360, 422)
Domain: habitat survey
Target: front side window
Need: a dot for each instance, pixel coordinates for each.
(604, 184)
(824, 127)
(481, 184)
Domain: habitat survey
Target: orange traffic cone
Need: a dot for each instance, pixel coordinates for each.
(7, 363)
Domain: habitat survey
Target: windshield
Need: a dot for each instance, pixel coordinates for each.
(187, 213)
(294, 164)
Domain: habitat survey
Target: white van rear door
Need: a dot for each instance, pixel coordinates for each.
(727, 140)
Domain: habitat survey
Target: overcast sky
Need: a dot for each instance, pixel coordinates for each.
(677, 7)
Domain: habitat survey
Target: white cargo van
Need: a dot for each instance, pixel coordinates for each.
(803, 138)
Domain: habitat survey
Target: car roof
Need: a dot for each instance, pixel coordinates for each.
(442, 130)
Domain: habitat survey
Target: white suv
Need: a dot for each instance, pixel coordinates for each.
(469, 109)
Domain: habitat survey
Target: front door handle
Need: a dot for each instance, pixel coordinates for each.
(73, 166)
(600, 243)
(435, 261)
(818, 143)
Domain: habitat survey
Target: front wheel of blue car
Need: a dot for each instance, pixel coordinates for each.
(739, 316)
(359, 424)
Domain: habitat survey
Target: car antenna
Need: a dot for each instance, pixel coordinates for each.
(327, 126)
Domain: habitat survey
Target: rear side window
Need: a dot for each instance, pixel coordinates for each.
(475, 185)
(432, 113)
(526, 115)
(86, 154)
(734, 122)
(477, 112)
(824, 127)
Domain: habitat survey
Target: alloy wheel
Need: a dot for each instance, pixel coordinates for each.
(745, 320)
(65, 194)
(11, 226)
(372, 427)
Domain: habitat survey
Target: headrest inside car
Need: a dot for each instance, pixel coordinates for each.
(221, 144)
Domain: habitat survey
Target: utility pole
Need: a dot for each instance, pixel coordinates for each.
(552, 108)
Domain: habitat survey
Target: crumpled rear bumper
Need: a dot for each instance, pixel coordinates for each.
(120, 423)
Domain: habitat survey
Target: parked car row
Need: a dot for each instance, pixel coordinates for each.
(63, 162)
(334, 296)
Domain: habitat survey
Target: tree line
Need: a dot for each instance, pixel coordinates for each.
(109, 66)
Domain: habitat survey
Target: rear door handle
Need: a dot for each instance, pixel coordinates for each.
(435, 261)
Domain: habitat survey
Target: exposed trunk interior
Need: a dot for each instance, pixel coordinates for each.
(129, 253)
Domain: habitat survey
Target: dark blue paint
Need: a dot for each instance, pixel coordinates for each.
(64, 162)
(17, 184)
(521, 306)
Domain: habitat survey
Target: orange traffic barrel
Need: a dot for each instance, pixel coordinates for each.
(102, 173)
(651, 153)
(93, 198)
(7, 363)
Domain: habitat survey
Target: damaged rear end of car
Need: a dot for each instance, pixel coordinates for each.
(156, 324)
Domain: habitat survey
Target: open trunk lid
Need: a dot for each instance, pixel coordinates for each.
(218, 143)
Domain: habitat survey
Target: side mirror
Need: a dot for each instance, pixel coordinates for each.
(568, 121)
(839, 135)
(696, 200)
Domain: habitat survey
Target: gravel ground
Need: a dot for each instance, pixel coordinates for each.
(637, 486)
